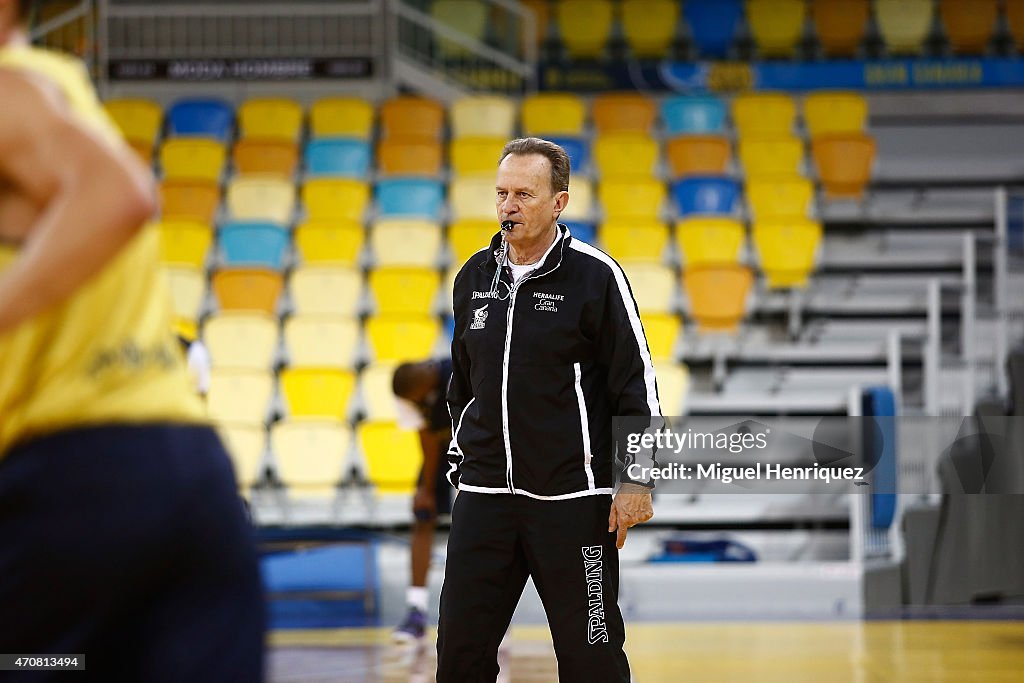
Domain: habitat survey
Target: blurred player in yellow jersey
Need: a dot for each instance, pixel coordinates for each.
(121, 536)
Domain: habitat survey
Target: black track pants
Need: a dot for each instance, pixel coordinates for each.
(496, 542)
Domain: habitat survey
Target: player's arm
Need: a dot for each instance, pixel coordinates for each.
(92, 197)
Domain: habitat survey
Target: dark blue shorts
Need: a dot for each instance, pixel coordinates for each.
(129, 544)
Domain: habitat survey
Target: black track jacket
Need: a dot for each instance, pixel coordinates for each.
(540, 369)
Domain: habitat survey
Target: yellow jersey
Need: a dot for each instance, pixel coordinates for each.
(107, 354)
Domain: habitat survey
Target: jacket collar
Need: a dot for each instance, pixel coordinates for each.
(551, 261)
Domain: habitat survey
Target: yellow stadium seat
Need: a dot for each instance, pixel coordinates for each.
(405, 242)
(774, 156)
(1015, 21)
(270, 118)
(184, 242)
(321, 341)
(326, 289)
(335, 199)
(585, 26)
(138, 120)
(255, 156)
(341, 116)
(553, 114)
(392, 456)
(787, 250)
(261, 197)
(904, 24)
(241, 340)
(310, 455)
(844, 162)
(192, 159)
(635, 240)
(776, 25)
(581, 200)
(632, 198)
(197, 200)
(763, 113)
(375, 390)
(468, 17)
(188, 287)
(247, 289)
(673, 386)
(239, 396)
(779, 198)
(483, 116)
(710, 240)
(475, 155)
(698, 155)
(467, 237)
(404, 290)
(653, 285)
(840, 25)
(474, 197)
(662, 332)
(718, 295)
(835, 112)
(412, 117)
(969, 23)
(409, 157)
(398, 337)
(329, 241)
(317, 392)
(623, 113)
(245, 444)
(649, 26)
(625, 155)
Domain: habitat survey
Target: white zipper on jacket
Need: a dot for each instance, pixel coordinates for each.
(504, 386)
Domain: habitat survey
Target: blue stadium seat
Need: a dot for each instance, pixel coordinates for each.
(420, 197)
(254, 243)
(878, 406)
(693, 115)
(578, 150)
(201, 117)
(340, 157)
(713, 24)
(706, 195)
(584, 232)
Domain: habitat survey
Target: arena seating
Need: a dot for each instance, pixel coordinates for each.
(313, 247)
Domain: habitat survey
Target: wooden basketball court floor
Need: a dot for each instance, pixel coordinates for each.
(925, 651)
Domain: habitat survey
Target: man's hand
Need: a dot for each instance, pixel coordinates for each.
(631, 505)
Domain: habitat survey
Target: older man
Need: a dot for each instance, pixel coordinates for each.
(548, 348)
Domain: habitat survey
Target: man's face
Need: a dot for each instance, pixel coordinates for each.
(524, 196)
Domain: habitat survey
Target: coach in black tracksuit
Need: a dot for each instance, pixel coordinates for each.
(548, 347)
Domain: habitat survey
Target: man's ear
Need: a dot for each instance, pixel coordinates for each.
(561, 201)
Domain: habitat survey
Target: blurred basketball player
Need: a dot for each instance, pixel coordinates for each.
(122, 538)
(419, 390)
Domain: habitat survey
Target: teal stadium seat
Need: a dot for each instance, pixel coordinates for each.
(410, 197)
(693, 115)
(254, 243)
(340, 157)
